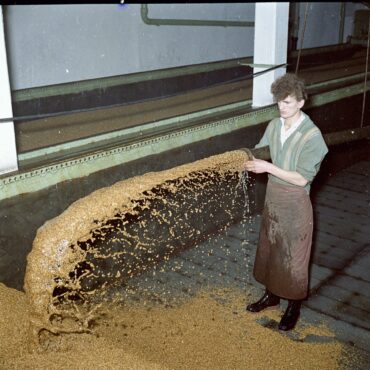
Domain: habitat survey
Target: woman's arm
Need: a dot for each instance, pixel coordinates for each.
(261, 166)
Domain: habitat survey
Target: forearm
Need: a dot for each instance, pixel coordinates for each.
(292, 177)
(261, 166)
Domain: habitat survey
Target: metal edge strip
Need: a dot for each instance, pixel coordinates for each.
(141, 130)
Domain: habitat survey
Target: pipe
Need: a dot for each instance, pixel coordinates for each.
(293, 26)
(346, 136)
(342, 20)
(189, 22)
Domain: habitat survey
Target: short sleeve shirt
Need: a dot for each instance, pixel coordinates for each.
(303, 151)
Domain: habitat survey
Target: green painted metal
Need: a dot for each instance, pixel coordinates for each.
(106, 82)
(189, 22)
(338, 94)
(49, 175)
(174, 123)
(40, 178)
(342, 80)
(327, 48)
(133, 132)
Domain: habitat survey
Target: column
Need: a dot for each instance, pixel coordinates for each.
(8, 151)
(270, 48)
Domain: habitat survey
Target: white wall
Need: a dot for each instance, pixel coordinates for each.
(8, 152)
(52, 44)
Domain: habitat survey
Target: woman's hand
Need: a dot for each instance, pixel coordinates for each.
(257, 166)
(261, 166)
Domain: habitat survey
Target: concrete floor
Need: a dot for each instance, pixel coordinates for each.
(340, 273)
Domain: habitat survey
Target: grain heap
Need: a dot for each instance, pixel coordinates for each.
(104, 239)
(118, 231)
(199, 334)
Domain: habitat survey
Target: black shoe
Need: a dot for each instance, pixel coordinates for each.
(268, 300)
(291, 315)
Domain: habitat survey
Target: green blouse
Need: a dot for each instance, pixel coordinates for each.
(303, 151)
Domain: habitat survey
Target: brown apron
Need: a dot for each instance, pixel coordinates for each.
(284, 247)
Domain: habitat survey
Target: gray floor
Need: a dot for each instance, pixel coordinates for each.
(340, 272)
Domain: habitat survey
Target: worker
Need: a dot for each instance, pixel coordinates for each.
(297, 150)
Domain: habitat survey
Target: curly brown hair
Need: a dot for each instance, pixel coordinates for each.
(288, 84)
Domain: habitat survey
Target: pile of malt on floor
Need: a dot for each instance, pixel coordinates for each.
(198, 333)
(62, 246)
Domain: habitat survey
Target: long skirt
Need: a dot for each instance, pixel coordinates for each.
(285, 240)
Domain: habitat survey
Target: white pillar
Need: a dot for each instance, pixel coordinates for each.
(8, 151)
(270, 48)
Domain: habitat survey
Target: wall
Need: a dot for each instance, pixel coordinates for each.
(52, 44)
(323, 23)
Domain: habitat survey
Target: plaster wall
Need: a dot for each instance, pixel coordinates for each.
(52, 44)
